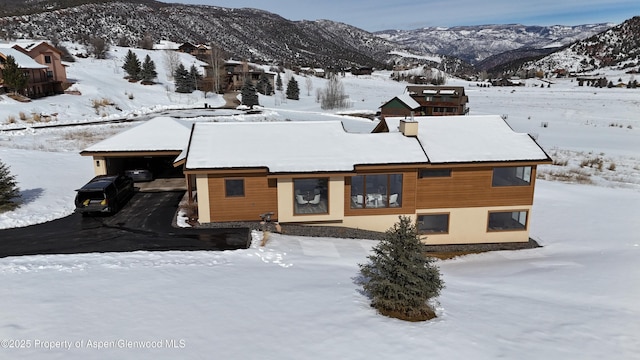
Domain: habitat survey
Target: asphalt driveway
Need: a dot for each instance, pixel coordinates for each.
(143, 224)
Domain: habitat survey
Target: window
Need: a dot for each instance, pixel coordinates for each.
(433, 224)
(512, 176)
(311, 196)
(234, 187)
(427, 173)
(49, 73)
(376, 191)
(508, 220)
(47, 59)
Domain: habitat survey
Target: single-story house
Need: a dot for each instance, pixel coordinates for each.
(463, 179)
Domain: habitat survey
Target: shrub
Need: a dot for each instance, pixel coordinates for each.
(11, 119)
(399, 279)
(22, 116)
(9, 191)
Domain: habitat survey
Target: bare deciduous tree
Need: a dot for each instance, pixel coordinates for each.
(309, 85)
(99, 48)
(172, 61)
(333, 96)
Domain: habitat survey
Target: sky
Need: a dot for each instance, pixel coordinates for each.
(376, 15)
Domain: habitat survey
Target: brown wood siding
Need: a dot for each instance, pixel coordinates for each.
(408, 204)
(260, 196)
(470, 187)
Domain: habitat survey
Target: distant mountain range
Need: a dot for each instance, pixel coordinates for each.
(476, 43)
(260, 36)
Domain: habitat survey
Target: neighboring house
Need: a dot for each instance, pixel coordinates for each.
(463, 179)
(362, 70)
(237, 71)
(42, 62)
(431, 100)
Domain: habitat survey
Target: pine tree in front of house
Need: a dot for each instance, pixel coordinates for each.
(9, 191)
(293, 91)
(278, 83)
(248, 92)
(264, 85)
(398, 278)
(14, 78)
(132, 66)
(183, 83)
(148, 73)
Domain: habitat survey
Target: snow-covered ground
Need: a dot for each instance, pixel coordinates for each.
(576, 297)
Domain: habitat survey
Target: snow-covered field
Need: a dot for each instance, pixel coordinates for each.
(576, 297)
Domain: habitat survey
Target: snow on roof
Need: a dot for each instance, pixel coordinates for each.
(471, 138)
(478, 138)
(158, 134)
(447, 92)
(306, 146)
(24, 61)
(409, 101)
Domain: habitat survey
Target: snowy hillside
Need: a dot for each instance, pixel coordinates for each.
(476, 43)
(295, 298)
(616, 47)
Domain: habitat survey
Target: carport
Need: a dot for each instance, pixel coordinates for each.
(152, 145)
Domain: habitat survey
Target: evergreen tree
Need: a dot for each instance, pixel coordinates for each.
(181, 76)
(249, 95)
(9, 192)
(148, 72)
(14, 78)
(293, 91)
(132, 66)
(398, 278)
(195, 79)
(278, 83)
(264, 85)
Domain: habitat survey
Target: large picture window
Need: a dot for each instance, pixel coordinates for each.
(512, 176)
(508, 220)
(311, 196)
(376, 191)
(234, 187)
(433, 224)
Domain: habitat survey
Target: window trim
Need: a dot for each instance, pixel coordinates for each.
(526, 224)
(421, 232)
(387, 187)
(226, 188)
(294, 196)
